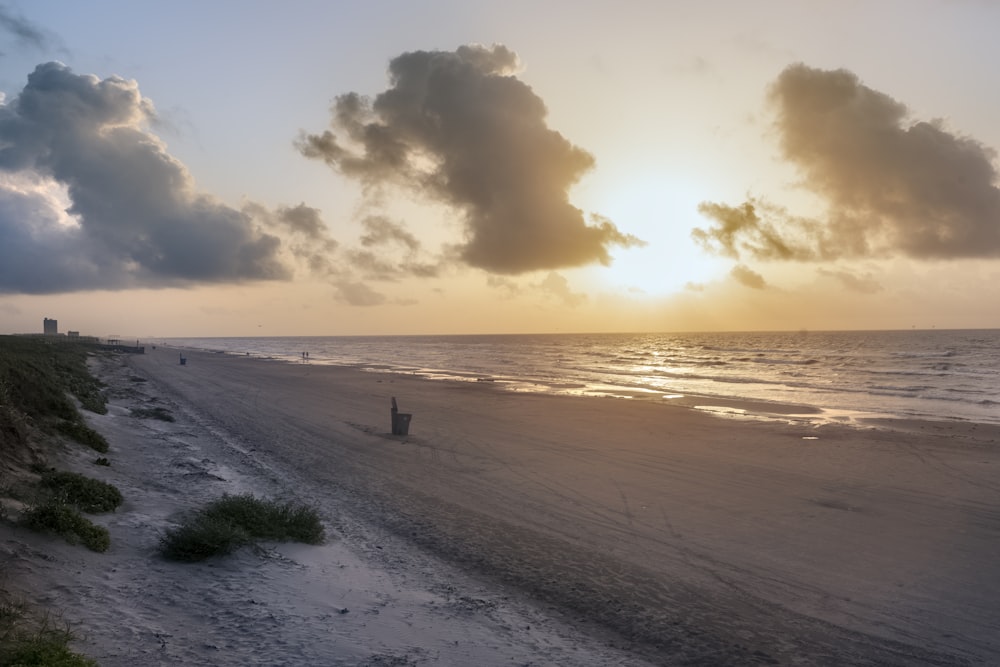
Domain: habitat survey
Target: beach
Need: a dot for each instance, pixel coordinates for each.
(519, 528)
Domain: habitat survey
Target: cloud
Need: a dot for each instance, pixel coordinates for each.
(24, 31)
(864, 284)
(892, 186)
(136, 218)
(461, 129)
(740, 230)
(747, 277)
(557, 287)
(304, 220)
(305, 234)
(505, 287)
(380, 230)
(356, 293)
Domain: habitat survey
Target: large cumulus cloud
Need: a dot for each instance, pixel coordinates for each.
(893, 186)
(135, 218)
(461, 129)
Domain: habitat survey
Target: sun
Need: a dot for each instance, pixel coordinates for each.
(660, 209)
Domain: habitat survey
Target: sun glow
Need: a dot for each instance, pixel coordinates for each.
(661, 209)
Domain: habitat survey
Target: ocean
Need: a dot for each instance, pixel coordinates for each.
(927, 374)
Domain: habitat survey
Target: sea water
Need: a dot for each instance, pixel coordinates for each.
(932, 374)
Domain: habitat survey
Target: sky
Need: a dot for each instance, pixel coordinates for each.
(339, 168)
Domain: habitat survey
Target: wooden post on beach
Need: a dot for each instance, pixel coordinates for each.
(400, 420)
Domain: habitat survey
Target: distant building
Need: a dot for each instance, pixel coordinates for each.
(73, 334)
(50, 327)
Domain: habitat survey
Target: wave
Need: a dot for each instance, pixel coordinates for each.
(941, 373)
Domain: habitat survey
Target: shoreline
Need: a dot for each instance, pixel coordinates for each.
(663, 514)
(731, 407)
(850, 376)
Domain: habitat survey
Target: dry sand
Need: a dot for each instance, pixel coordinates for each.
(531, 529)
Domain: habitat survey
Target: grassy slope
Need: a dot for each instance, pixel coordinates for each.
(36, 374)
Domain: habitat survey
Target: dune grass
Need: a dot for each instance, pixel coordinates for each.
(56, 501)
(88, 495)
(67, 522)
(36, 374)
(83, 434)
(235, 521)
(152, 413)
(31, 640)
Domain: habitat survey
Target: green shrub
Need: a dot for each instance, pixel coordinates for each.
(233, 521)
(26, 641)
(202, 538)
(268, 519)
(40, 371)
(153, 413)
(44, 651)
(84, 435)
(90, 495)
(68, 523)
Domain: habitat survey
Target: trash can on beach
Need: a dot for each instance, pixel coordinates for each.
(400, 420)
(401, 423)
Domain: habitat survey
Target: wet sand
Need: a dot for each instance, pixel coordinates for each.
(683, 537)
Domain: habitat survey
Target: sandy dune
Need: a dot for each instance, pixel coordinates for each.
(672, 535)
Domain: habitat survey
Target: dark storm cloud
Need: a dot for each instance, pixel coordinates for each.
(140, 221)
(461, 129)
(893, 186)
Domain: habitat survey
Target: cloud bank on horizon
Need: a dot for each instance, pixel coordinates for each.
(134, 218)
(459, 128)
(892, 187)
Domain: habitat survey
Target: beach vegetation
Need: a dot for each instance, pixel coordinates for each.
(234, 521)
(37, 378)
(202, 538)
(85, 493)
(42, 371)
(67, 522)
(30, 640)
(102, 461)
(83, 434)
(153, 413)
